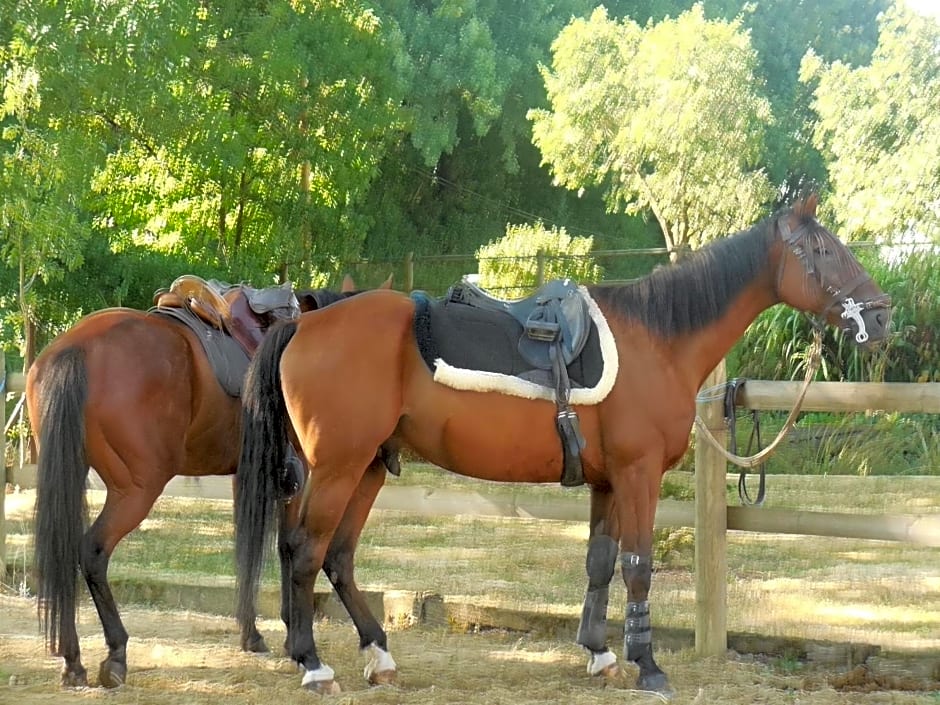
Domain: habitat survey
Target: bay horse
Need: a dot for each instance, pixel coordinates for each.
(370, 385)
(131, 394)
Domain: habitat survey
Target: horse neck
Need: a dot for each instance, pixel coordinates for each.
(697, 353)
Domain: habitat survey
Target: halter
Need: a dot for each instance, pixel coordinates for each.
(851, 309)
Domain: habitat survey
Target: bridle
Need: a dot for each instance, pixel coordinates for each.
(851, 309)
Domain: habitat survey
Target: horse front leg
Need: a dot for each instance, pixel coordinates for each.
(287, 537)
(600, 564)
(339, 568)
(636, 496)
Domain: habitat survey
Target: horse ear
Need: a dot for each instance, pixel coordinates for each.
(805, 206)
(809, 206)
(348, 284)
(387, 284)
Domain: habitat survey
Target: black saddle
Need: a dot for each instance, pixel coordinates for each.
(556, 313)
(548, 338)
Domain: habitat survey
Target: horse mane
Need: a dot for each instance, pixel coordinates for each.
(685, 296)
(311, 299)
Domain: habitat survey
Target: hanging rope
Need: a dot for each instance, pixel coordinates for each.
(752, 461)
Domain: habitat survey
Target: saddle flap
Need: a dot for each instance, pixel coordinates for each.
(273, 299)
(560, 319)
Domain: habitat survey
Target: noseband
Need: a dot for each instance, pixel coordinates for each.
(851, 309)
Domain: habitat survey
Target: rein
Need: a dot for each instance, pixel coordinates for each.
(752, 461)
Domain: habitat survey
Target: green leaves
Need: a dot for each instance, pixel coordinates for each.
(880, 129)
(669, 118)
(204, 136)
(529, 255)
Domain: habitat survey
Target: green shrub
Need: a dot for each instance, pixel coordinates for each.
(512, 264)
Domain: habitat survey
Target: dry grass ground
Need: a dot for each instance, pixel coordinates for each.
(837, 590)
(181, 658)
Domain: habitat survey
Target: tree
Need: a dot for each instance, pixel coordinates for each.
(43, 231)
(667, 118)
(880, 129)
(531, 254)
(466, 164)
(782, 32)
(220, 143)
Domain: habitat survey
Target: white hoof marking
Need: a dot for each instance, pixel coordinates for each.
(379, 660)
(601, 661)
(317, 675)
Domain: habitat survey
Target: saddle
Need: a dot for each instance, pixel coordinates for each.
(236, 309)
(555, 319)
(548, 339)
(229, 320)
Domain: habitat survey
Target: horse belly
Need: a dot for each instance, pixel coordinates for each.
(485, 435)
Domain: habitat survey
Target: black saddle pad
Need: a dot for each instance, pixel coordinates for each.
(474, 338)
(227, 358)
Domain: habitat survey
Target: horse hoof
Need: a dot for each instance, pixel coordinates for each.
(77, 678)
(320, 680)
(324, 687)
(389, 677)
(656, 683)
(381, 668)
(255, 645)
(112, 674)
(603, 664)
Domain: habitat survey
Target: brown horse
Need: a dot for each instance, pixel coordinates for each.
(133, 395)
(371, 384)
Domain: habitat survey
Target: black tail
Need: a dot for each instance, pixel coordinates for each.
(263, 457)
(61, 509)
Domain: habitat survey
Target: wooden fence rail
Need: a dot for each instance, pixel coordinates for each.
(714, 517)
(709, 515)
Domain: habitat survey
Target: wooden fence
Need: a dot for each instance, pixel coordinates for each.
(710, 515)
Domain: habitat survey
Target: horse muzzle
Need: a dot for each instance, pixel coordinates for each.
(866, 323)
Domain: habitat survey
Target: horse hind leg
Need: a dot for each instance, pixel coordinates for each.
(116, 520)
(338, 565)
(331, 492)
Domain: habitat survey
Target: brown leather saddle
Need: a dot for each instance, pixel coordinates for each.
(229, 320)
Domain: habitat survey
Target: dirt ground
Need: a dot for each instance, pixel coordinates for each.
(182, 657)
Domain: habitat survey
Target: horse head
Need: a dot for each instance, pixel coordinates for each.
(818, 274)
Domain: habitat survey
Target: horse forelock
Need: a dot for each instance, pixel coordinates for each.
(694, 292)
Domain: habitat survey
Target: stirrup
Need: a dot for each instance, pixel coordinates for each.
(572, 442)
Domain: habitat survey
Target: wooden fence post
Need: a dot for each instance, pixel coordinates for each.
(540, 267)
(409, 282)
(711, 526)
